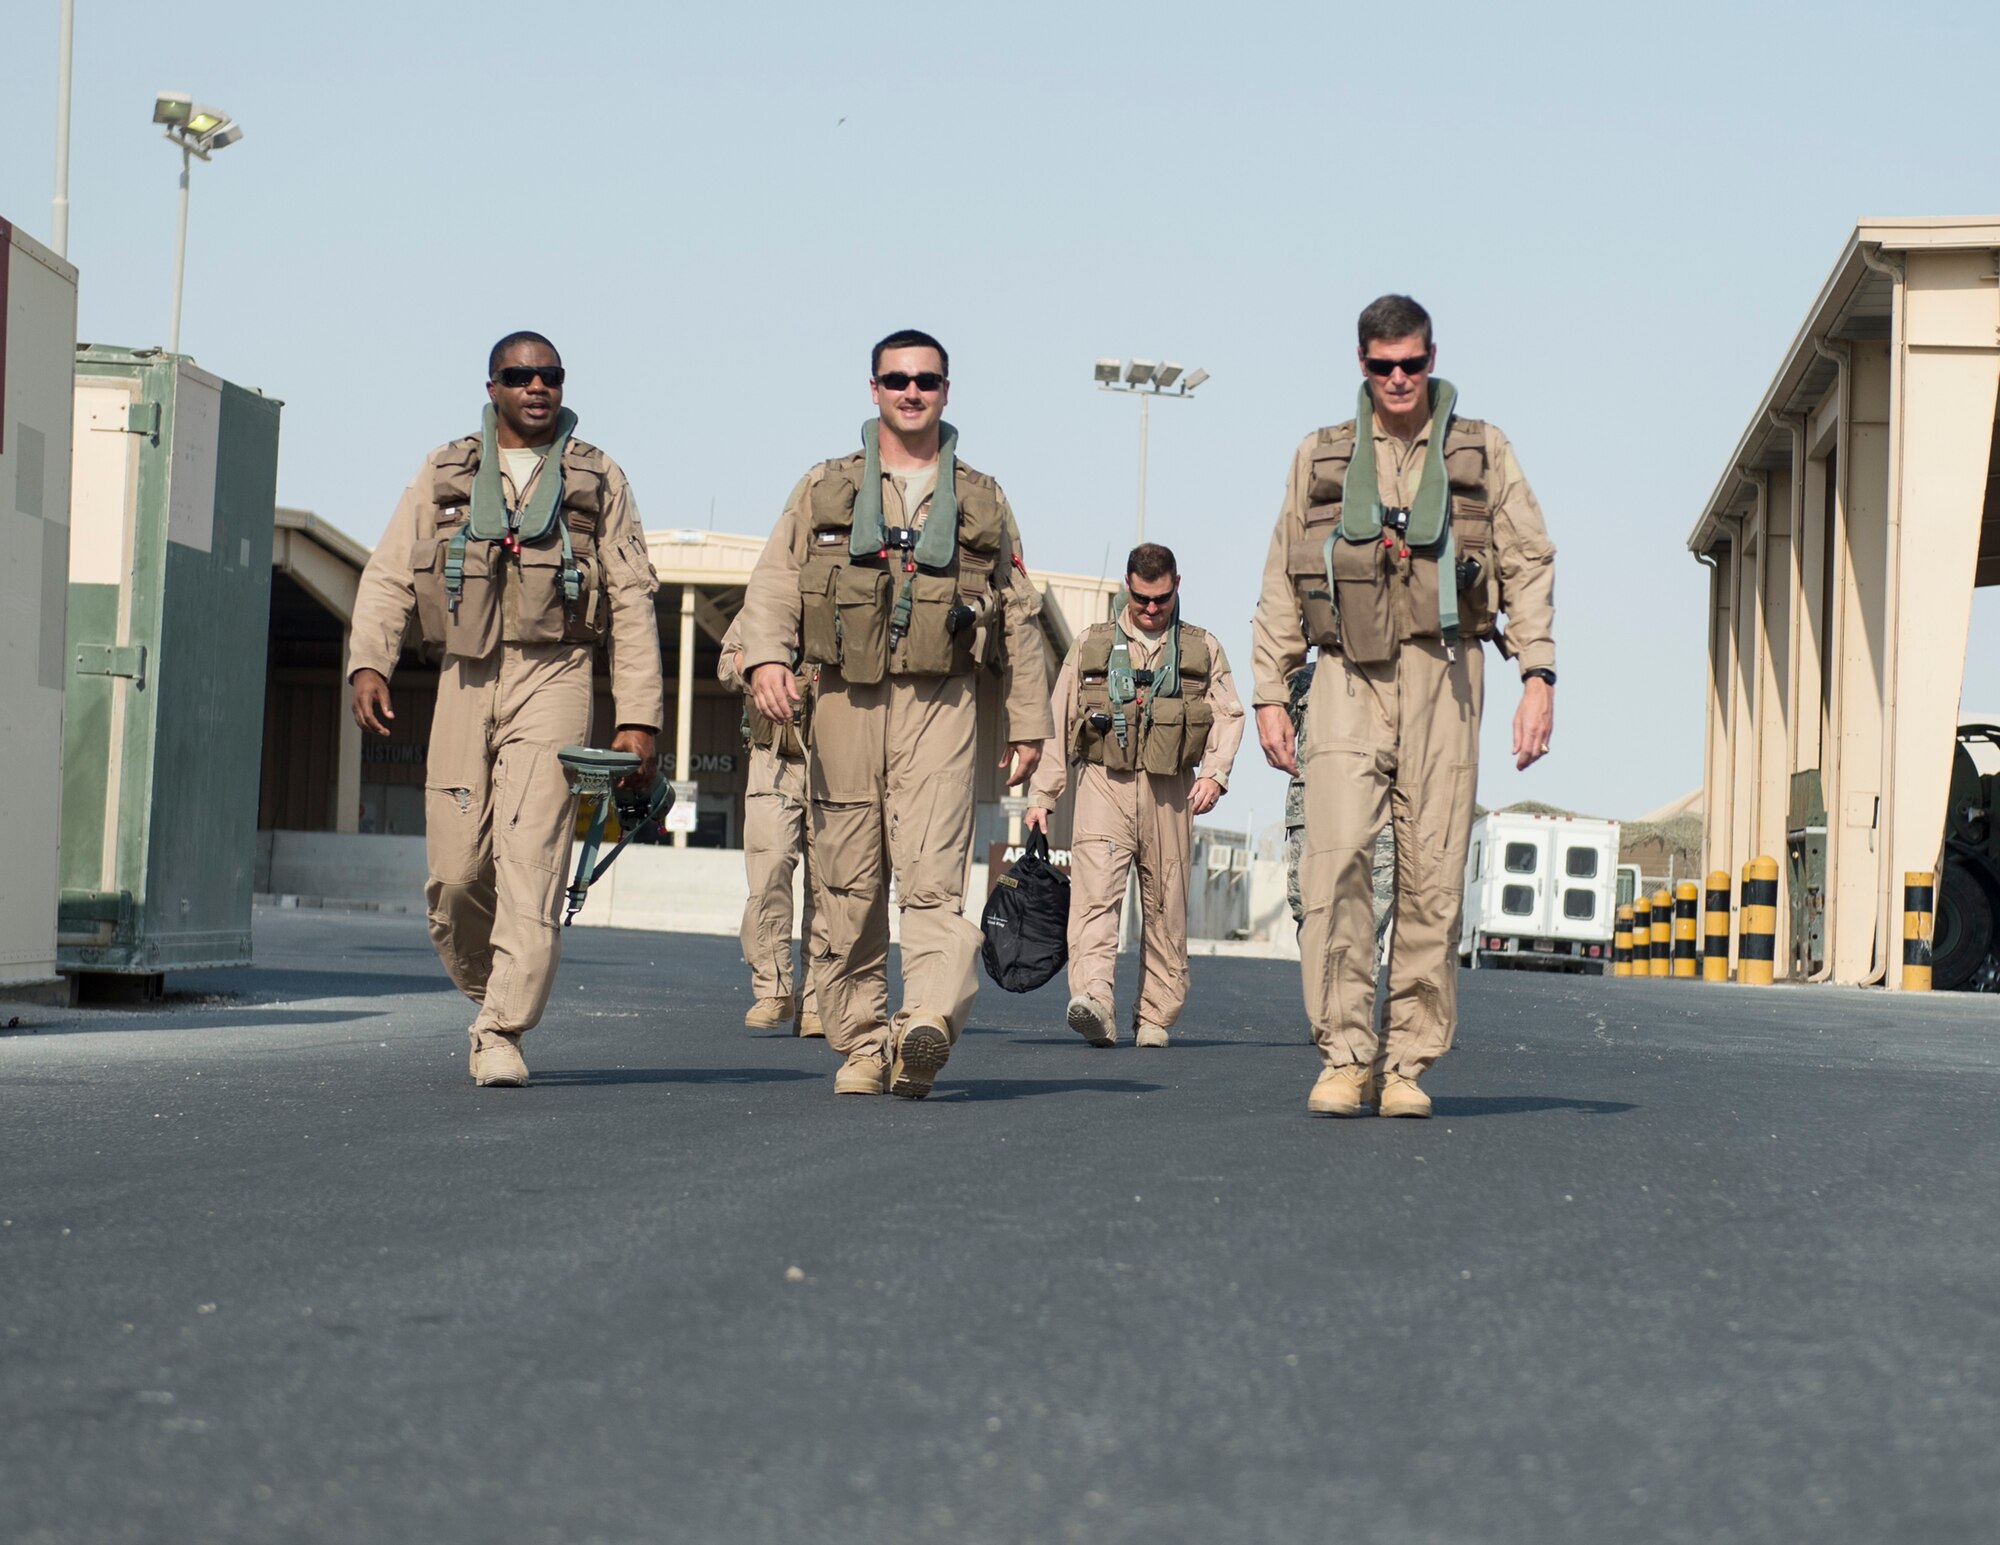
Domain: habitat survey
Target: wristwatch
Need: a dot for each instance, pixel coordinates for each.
(1540, 673)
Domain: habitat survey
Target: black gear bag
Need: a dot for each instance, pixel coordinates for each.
(1027, 920)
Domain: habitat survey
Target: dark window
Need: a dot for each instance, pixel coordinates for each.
(1520, 858)
(1581, 863)
(1581, 905)
(1517, 900)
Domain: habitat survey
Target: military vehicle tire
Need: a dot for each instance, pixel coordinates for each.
(1963, 934)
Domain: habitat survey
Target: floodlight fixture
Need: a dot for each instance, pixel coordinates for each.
(1166, 375)
(1139, 372)
(1194, 378)
(172, 107)
(225, 136)
(206, 120)
(1107, 371)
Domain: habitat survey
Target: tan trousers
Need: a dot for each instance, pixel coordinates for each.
(775, 843)
(497, 823)
(1122, 819)
(890, 782)
(1400, 742)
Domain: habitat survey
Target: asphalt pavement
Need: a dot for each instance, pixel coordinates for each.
(1671, 1263)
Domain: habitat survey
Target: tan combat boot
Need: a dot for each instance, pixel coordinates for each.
(1092, 1020)
(1347, 1090)
(496, 1060)
(1402, 1097)
(862, 1073)
(768, 1014)
(921, 1048)
(1149, 1035)
(809, 1025)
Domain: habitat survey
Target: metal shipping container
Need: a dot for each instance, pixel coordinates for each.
(37, 352)
(174, 489)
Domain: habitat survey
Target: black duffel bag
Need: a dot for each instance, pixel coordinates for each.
(1027, 920)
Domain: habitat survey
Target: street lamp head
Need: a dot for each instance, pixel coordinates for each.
(172, 107)
(1139, 372)
(1107, 371)
(1194, 378)
(1166, 375)
(206, 120)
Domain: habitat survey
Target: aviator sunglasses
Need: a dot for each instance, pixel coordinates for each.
(521, 375)
(1415, 365)
(897, 380)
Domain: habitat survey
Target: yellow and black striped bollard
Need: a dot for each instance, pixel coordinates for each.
(1661, 962)
(1621, 942)
(1757, 927)
(1919, 902)
(1642, 934)
(1715, 947)
(1686, 896)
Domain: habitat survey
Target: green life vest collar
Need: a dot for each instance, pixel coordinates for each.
(490, 519)
(934, 545)
(1122, 682)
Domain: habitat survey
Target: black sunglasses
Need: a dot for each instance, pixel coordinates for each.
(521, 375)
(896, 380)
(1149, 602)
(1415, 365)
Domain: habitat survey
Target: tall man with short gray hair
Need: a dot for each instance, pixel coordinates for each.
(1405, 533)
(519, 549)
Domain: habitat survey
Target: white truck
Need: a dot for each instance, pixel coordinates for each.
(1540, 890)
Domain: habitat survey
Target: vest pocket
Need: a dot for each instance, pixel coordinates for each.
(931, 649)
(540, 616)
(1200, 720)
(427, 579)
(1164, 749)
(1366, 630)
(819, 630)
(1305, 561)
(861, 619)
(1472, 530)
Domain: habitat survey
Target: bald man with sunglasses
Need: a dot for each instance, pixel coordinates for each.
(1405, 534)
(1145, 709)
(519, 550)
(897, 569)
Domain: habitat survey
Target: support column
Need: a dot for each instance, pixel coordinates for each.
(684, 701)
(346, 753)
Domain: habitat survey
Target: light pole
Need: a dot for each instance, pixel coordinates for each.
(199, 131)
(1145, 380)
(59, 215)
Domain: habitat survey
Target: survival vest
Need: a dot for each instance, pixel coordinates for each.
(882, 600)
(1367, 578)
(1155, 721)
(529, 576)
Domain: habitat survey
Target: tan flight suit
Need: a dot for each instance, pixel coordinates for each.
(1128, 817)
(513, 689)
(776, 840)
(890, 778)
(1397, 739)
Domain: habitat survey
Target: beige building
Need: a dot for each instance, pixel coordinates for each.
(1852, 521)
(319, 774)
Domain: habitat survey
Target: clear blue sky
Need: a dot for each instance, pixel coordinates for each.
(1617, 216)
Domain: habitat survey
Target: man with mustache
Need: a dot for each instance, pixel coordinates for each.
(519, 549)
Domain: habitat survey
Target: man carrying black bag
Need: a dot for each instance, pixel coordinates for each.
(1027, 920)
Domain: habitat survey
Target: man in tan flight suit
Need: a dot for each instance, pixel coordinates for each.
(516, 570)
(898, 570)
(776, 840)
(1398, 587)
(1145, 707)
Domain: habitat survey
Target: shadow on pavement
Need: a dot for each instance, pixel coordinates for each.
(247, 1016)
(281, 984)
(1521, 1105)
(1025, 1088)
(589, 1076)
